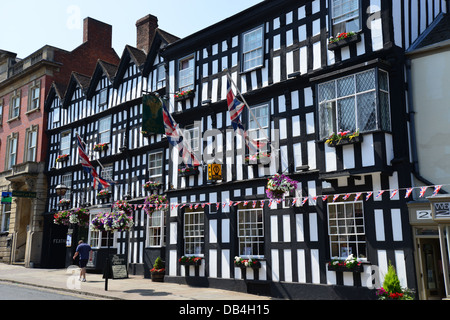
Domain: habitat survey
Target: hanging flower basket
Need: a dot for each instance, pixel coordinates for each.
(62, 218)
(247, 263)
(101, 147)
(122, 205)
(190, 261)
(278, 185)
(79, 216)
(154, 202)
(343, 138)
(152, 185)
(184, 95)
(62, 158)
(350, 264)
(112, 221)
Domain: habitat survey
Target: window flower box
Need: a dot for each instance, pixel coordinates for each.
(101, 147)
(350, 264)
(247, 263)
(152, 185)
(183, 95)
(344, 138)
(190, 261)
(188, 171)
(104, 195)
(258, 158)
(62, 158)
(343, 39)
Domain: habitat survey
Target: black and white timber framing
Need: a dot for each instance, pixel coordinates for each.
(296, 60)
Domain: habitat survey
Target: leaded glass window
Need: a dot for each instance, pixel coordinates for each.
(355, 102)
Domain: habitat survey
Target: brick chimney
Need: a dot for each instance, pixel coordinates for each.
(97, 31)
(146, 28)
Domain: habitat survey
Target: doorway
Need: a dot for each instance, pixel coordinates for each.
(431, 273)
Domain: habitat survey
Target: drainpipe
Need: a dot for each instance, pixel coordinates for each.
(412, 128)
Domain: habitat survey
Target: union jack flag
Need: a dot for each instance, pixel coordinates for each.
(408, 192)
(176, 139)
(436, 190)
(235, 107)
(422, 191)
(89, 168)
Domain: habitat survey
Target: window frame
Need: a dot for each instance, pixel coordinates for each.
(63, 135)
(67, 179)
(5, 217)
(342, 24)
(14, 137)
(158, 237)
(15, 97)
(36, 86)
(195, 240)
(257, 130)
(159, 176)
(258, 240)
(381, 115)
(103, 97)
(344, 237)
(33, 130)
(188, 85)
(101, 132)
(245, 51)
(191, 133)
(160, 81)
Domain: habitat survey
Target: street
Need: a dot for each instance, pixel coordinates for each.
(10, 291)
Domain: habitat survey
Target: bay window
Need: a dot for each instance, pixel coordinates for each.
(359, 102)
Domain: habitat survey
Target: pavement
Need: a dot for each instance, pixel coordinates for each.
(132, 288)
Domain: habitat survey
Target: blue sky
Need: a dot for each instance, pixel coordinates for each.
(28, 25)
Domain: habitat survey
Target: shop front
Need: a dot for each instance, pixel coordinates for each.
(430, 221)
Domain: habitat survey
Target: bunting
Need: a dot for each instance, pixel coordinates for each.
(302, 201)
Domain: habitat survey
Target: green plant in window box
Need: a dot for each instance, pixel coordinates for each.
(343, 137)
